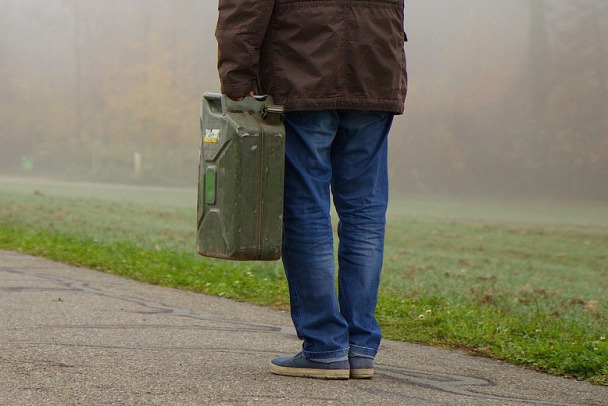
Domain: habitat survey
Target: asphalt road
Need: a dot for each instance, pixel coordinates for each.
(72, 336)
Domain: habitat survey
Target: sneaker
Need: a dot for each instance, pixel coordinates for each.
(299, 366)
(361, 367)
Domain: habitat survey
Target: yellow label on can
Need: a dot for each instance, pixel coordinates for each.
(212, 136)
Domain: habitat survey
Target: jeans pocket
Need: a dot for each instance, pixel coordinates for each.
(367, 117)
(382, 114)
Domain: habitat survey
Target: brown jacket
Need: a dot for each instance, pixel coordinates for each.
(314, 54)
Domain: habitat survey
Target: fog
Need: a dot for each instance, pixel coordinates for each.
(505, 98)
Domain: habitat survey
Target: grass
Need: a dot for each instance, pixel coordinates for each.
(509, 281)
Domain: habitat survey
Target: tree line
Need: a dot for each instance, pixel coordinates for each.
(110, 81)
(535, 125)
(89, 88)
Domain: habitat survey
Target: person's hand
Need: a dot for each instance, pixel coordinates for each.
(251, 93)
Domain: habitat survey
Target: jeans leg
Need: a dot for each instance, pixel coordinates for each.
(308, 254)
(360, 189)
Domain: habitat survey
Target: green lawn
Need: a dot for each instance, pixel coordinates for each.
(524, 282)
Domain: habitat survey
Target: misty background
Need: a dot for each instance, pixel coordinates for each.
(505, 98)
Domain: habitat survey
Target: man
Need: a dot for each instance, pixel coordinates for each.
(338, 67)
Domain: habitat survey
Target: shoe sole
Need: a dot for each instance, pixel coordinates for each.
(310, 372)
(362, 373)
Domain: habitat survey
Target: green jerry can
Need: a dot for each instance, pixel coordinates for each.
(240, 179)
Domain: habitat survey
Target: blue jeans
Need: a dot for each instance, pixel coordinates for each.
(345, 151)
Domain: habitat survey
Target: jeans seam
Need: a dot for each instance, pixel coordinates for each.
(298, 316)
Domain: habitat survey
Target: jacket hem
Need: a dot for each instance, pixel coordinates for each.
(391, 106)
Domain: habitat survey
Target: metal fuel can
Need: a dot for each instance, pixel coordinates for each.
(240, 179)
